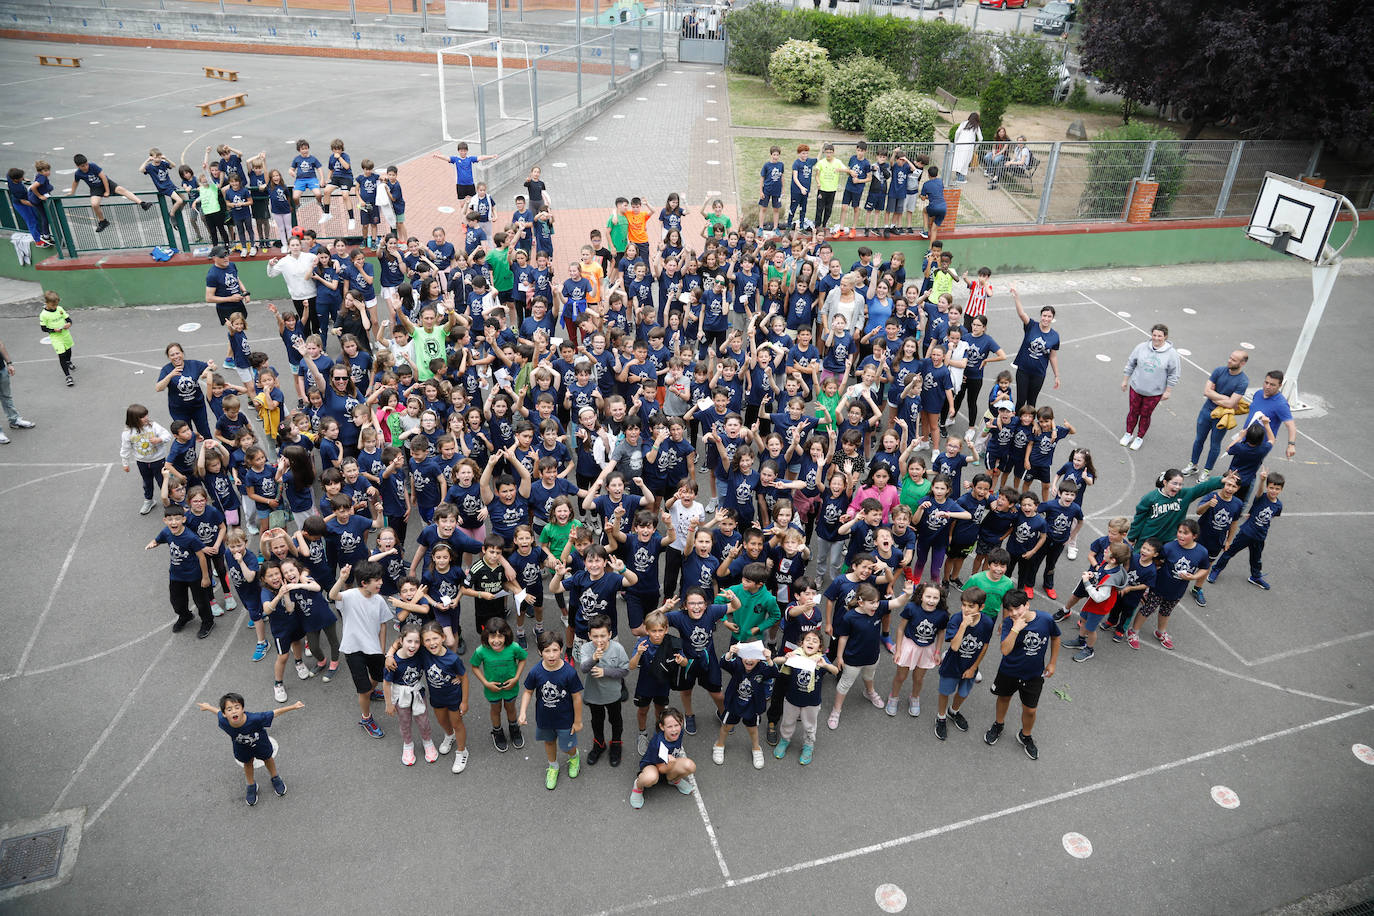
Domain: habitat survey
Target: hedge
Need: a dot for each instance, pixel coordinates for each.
(900, 117)
(798, 70)
(1111, 168)
(853, 84)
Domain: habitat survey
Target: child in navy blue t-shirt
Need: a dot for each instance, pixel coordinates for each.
(664, 758)
(248, 733)
(1254, 531)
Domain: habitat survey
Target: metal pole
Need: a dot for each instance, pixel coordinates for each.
(500, 27)
(1149, 160)
(577, 38)
(1226, 183)
(613, 31)
(424, 15)
(500, 68)
(482, 118)
(973, 26)
(1312, 163)
(443, 109)
(534, 98)
(1323, 279)
(1044, 213)
(352, 11)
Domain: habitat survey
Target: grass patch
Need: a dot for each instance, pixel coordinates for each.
(754, 104)
(750, 155)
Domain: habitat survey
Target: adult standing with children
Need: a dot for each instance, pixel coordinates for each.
(1225, 387)
(1269, 402)
(1151, 373)
(1039, 353)
(16, 421)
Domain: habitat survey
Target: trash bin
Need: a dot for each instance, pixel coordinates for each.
(634, 58)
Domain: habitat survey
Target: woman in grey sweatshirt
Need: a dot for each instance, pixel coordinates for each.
(1150, 376)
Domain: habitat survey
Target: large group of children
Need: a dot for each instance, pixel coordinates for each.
(481, 435)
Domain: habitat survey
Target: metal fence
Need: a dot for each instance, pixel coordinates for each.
(425, 13)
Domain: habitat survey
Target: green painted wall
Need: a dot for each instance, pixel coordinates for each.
(9, 262)
(156, 284)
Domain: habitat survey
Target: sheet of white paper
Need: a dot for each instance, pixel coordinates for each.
(555, 342)
(501, 594)
(663, 754)
(751, 649)
(704, 404)
(800, 662)
(520, 597)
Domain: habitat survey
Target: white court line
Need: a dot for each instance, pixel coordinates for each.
(1304, 649)
(76, 470)
(113, 724)
(113, 354)
(112, 104)
(120, 359)
(1212, 633)
(710, 831)
(50, 464)
(1075, 340)
(1247, 678)
(997, 815)
(1144, 332)
(185, 708)
(90, 658)
(61, 575)
(1339, 458)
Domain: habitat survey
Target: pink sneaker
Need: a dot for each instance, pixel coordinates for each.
(408, 756)
(1165, 639)
(1133, 639)
(876, 700)
(431, 753)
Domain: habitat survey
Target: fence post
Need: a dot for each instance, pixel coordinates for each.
(1043, 214)
(1149, 160)
(534, 96)
(352, 12)
(166, 221)
(613, 31)
(1316, 156)
(57, 218)
(482, 117)
(947, 163)
(577, 40)
(1226, 183)
(424, 15)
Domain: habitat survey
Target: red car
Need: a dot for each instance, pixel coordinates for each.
(1003, 4)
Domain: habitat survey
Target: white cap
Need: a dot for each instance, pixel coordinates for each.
(1004, 404)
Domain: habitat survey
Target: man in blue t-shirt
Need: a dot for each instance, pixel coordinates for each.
(100, 186)
(1225, 387)
(1027, 637)
(1269, 402)
(464, 184)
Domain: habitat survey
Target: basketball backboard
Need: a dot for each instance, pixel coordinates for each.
(1293, 217)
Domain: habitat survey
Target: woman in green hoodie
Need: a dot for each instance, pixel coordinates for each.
(1158, 513)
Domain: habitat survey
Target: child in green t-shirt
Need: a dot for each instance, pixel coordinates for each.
(557, 532)
(498, 663)
(829, 398)
(57, 324)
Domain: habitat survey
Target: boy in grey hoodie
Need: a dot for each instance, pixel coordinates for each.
(1150, 376)
(603, 664)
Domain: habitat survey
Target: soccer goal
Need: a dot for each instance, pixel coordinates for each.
(507, 81)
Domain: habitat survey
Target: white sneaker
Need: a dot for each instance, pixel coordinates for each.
(230, 603)
(1189, 469)
(324, 218)
(216, 610)
(447, 744)
(352, 224)
(758, 758)
(710, 507)
(4, 439)
(1136, 443)
(1124, 440)
(915, 706)
(252, 529)
(279, 691)
(303, 672)
(1073, 551)
(21, 423)
(717, 754)
(642, 743)
(460, 761)
(308, 653)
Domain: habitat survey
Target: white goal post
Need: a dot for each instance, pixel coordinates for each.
(518, 50)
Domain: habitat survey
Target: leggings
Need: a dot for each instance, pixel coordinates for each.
(972, 387)
(1026, 566)
(1141, 407)
(331, 633)
(672, 568)
(183, 593)
(151, 472)
(825, 202)
(243, 225)
(788, 724)
(404, 718)
(283, 223)
(1052, 551)
(1028, 385)
(779, 698)
(1206, 427)
(600, 712)
(217, 224)
(936, 551)
(219, 571)
(64, 359)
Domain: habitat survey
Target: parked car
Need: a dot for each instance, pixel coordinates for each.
(1055, 18)
(1003, 4)
(934, 4)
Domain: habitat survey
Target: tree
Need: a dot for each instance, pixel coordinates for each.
(1281, 67)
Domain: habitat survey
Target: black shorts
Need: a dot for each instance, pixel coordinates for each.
(341, 181)
(1033, 473)
(369, 216)
(224, 309)
(465, 190)
(366, 670)
(695, 675)
(960, 550)
(1004, 685)
(851, 198)
(643, 702)
(1007, 464)
(734, 718)
(246, 754)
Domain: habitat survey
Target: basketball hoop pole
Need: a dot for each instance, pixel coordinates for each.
(1325, 270)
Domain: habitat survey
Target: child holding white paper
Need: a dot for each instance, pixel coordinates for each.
(750, 665)
(803, 669)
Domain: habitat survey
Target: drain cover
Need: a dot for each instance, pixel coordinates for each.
(29, 858)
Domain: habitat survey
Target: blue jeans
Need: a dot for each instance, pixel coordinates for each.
(6, 398)
(1206, 425)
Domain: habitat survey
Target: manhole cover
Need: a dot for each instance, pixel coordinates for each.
(30, 858)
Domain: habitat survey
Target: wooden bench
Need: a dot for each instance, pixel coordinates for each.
(1020, 180)
(52, 60)
(229, 102)
(945, 101)
(219, 73)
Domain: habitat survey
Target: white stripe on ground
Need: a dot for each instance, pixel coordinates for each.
(27, 483)
(90, 658)
(710, 831)
(1305, 649)
(1248, 679)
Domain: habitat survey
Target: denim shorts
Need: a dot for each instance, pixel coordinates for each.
(949, 686)
(567, 741)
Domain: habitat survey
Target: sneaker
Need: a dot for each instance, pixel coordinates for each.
(1212, 575)
(808, 751)
(5, 440)
(252, 529)
(717, 755)
(891, 707)
(833, 721)
(145, 204)
(205, 629)
(771, 734)
(216, 610)
(1077, 642)
(1061, 614)
(889, 645)
(303, 672)
(636, 798)
(574, 765)
(551, 778)
(352, 224)
(710, 507)
(595, 753)
(252, 250)
(1133, 639)
(460, 762)
(1072, 552)
(1189, 469)
(1136, 443)
(324, 218)
(521, 640)
(447, 744)
(958, 719)
(101, 227)
(248, 619)
(1125, 440)
(71, 382)
(431, 752)
(330, 672)
(780, 751)
(1083, 654)
(992, 734)
(229, 603)
(642, 743)
(408, 755)
(259, 651)
(1165, 639)
(686, 785)
(462, 648)
(1198, 597)
(957, 583)
(1203, 475)
(147, 507)
(924, 234)
(689, 725)
(250, 796)
(913, 708)
(1028, 744)
(1118, 635)
(278, 786)
(758, 758)
(941, 731)
(873, 698)
(377, 694)
(279, 692)
(370, 726)
(617, 749)
(1259, 582)
(517, 737)
(1051, 594)
(498, 739)
(1029, 590)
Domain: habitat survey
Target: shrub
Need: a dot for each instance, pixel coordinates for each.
(900, 117)
(853, 84)
(798, 69)
(756, 31)
(993, 104)
(1111, 166)
(1078, 96)
(1028, 64)
(887, 39)
(951, 57)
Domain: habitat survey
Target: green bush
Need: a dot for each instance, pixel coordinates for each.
(993, 105)
(797, 70)
(1078, 96)
(887, 39)
(853, 84)
(756, 31)
(900, 117)
(1111, 166)
(1027, 63)
(949, 56)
